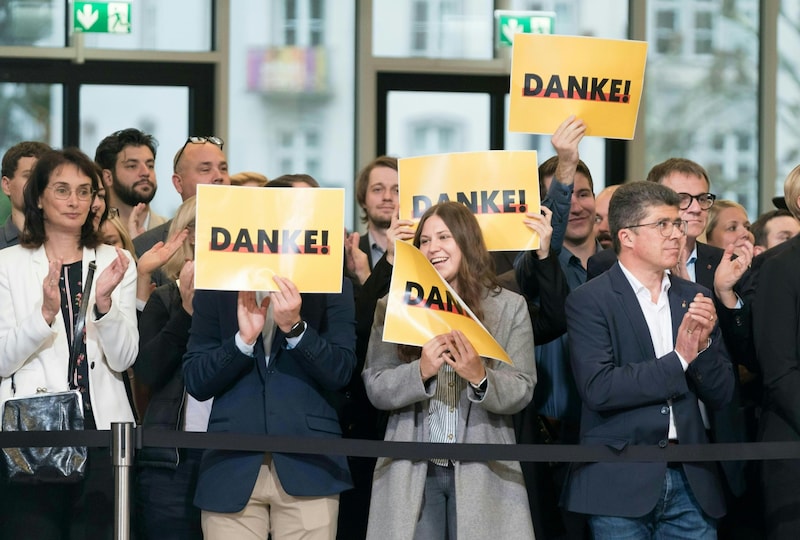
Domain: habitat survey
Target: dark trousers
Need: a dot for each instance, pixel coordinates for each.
(164, 500)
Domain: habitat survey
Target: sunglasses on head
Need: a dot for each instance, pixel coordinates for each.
(197, 140)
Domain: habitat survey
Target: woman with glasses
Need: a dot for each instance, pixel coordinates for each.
(444, 392)
(43, 283)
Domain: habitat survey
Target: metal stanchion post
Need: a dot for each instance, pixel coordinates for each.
(122, 460)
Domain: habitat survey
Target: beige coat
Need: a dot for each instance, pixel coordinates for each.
(491, 501)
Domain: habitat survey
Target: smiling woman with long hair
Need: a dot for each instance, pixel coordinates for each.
(41, 292)
(445, 392)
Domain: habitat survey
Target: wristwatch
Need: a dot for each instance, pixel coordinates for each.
(297, 329)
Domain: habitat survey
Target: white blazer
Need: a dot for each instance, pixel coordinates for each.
(38, 355)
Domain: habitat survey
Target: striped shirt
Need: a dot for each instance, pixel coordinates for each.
(443, 408)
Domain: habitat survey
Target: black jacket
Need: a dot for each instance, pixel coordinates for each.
(163, 334)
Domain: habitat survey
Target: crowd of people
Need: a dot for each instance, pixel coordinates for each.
(652, 314)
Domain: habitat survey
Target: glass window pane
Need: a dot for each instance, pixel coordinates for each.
(106, 109)
(37, 23)
(702, 99)
(433, 29)
(787, 130)
(28, 112)
(177, 25)
(291, 106)
(421, 123)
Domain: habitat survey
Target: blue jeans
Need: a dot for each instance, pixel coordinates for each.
(677, 515)
(438, 518)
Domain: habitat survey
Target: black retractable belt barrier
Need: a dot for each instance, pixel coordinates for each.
(124, 438)
(408, 450)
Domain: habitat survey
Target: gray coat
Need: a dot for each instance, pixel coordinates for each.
(491, 501)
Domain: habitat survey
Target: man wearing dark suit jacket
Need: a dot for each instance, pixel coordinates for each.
(644, 349)
(718, 271)
(269, 366)
(377, 195)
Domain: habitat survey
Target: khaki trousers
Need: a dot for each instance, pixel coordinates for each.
(271, 510)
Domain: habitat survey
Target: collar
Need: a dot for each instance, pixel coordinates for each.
(637, 285)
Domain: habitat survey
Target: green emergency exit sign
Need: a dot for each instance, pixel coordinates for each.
(510, 23)
(102, 17)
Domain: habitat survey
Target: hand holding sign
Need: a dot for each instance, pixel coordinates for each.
(400, 229)
(464, 359)
(566, 140)
(541, 225)
(433, 356)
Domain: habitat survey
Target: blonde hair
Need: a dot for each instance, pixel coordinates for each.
(242, 178)
(183, 218)
(714, 212)
(791, 191)
(124, 235)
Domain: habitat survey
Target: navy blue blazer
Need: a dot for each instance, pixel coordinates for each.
(625, 387)
(290, 397)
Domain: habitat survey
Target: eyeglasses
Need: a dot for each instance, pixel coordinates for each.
(197, 140)
(62, 192)
(664, 226)
(705, 200)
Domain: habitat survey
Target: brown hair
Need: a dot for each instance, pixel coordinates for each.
(548, 168)
(33, 233)
(290, 180)
(686, 166)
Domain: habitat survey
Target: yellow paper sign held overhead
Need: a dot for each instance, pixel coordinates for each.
(598, 80)
(246, 235)
(422, 305)
(499, 187)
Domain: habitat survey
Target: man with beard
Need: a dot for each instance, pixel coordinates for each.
(376, 193)
(127, 158)
(601, 228)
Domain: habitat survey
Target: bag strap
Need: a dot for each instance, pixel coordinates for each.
(80, 330)
(80, 326)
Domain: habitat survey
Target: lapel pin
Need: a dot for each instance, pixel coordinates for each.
(683, 304)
